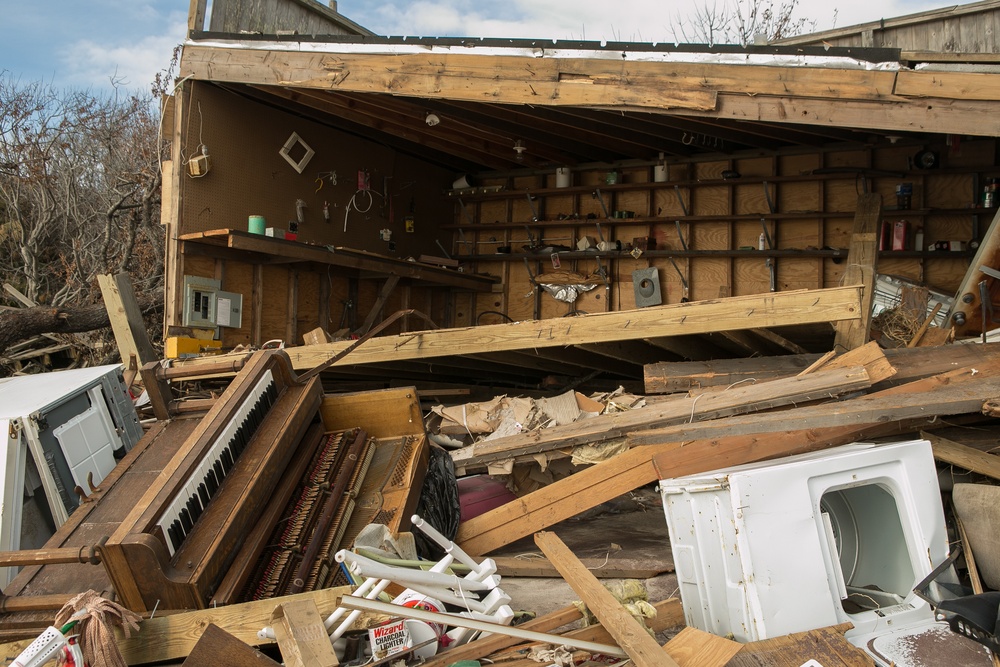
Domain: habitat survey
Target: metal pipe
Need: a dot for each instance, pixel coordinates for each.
(362, 604)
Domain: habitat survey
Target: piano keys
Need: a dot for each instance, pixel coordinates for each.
(174, 547)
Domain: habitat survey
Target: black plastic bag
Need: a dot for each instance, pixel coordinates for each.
(438, 503)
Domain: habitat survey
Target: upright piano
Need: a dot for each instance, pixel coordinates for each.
(175, 546)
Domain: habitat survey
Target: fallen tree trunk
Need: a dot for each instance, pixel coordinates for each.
(24, 323)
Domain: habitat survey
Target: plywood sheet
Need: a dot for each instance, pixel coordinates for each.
(710, 201)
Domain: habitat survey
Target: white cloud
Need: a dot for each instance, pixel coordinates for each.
(132, 63)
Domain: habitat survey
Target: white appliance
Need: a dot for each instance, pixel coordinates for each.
(815, 540)
(58, 430)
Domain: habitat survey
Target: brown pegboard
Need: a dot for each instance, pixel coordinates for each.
(248, 176)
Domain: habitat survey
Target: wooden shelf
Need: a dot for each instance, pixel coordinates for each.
(264, 250)
(832, 253)
(650, 220)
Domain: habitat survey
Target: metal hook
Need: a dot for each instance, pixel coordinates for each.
(686, 141)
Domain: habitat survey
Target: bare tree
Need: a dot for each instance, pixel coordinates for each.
(79, 191)
(742, 22)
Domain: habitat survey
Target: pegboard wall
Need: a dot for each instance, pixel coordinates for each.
(248, 176)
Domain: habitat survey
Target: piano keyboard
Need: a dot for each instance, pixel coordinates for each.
(182, 513)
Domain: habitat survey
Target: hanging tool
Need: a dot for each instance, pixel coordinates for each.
(534, 211)
(685, 294)
(769, 262)
(600, 232)
(677, 223)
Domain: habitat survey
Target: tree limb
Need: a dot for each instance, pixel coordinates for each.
(24, 323)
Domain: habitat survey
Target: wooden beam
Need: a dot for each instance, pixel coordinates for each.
(910, 364)
(862, 258)
(446, 76)
(744, 312)
(383, 296)
(892, 114)
(628, 632)
(126, 320)
(963, 456)
(946, 401)
(950, 85)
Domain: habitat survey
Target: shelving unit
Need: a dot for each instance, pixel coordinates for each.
(706, 229)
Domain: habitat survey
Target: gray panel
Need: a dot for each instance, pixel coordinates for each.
(646, 283)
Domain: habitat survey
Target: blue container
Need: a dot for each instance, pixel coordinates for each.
(256, 224)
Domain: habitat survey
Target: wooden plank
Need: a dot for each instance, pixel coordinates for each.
(174, 636)
(218, 648)
(19, 296)
(862, 258)
(910, 114)
(961, 398)
(737, 400)
(910, 364)
(951, 85)
(376, 309)
(782, 308)
(692, 647)
(678, 376)
(628, 632)
(126, 320)
(826, 645)
(963, 456)
(560, 500)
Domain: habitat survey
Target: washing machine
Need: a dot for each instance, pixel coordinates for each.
(816, 540)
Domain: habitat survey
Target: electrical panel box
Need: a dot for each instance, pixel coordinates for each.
(206, 305)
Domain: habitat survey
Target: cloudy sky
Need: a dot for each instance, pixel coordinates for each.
(86, 44)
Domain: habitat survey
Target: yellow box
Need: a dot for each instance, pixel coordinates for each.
(177, 346)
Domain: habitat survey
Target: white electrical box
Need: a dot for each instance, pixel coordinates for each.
(206, 305)
(811, 541)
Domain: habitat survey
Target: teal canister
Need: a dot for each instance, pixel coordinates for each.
(256, 224)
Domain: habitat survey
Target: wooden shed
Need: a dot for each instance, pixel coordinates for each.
(324, 177)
